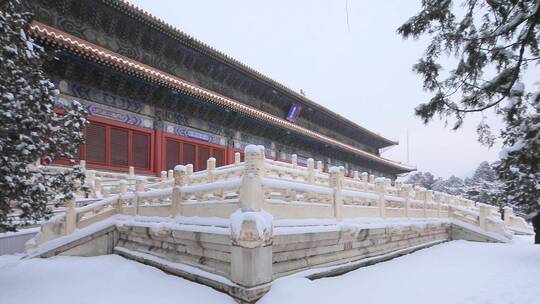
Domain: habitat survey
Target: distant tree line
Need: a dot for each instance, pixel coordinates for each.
(483, 186)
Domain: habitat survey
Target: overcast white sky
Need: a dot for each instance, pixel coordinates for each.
(363, 73)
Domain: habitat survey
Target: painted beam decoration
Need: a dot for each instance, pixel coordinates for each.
(101, 97)
(180, 131)
(119, 116)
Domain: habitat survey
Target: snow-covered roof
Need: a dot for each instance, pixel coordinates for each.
(135, 68)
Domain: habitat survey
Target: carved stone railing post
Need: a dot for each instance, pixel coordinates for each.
(180, 175)
(294, 160)
(365, 181)
(336, 182)
(405, 192)
(251, 251)
(131, 172)
(310, 170)
(123, 191)
(428, 201)
(211, 167)
(251, 192)
(493, 211)
(380, 188)
(507, 215)
(139, 188)
(371, 179)
(438, 201)
(441, 198)
(170, 174)
(163, 179)
(365, 177)
(445, 199)
(484, 213)
(139, 184)
(450, 200)
(189, 172)
(90, 176)
(387, 183)
(356, 175)
(71, 217)
(320, 166)
(451, 209)
(97, 187)
(82, 165)
(180, 180)
(237, 158)
(123, 186)
(421, 196)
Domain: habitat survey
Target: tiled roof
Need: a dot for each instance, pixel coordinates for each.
(132, 67)
(162, 26)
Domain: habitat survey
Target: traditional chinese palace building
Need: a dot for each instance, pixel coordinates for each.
(158, 97)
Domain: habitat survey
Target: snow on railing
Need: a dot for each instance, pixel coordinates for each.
(286, 190)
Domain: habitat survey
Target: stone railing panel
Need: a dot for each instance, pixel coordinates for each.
(285, 190)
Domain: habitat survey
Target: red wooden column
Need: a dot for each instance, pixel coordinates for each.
(158, 149)
(229, 152)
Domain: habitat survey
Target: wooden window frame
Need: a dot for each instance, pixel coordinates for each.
(109, 124)
(197, 143)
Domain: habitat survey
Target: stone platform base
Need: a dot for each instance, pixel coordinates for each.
(203, 254)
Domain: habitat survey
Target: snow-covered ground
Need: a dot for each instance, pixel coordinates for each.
(96, 280)
(455, 272)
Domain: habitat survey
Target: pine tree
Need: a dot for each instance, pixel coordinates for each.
(484, 186)
(519, 167)
(421, 179)
(453, 185)
(494, 43)
(30, 129)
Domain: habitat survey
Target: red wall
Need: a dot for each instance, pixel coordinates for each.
(157, 149)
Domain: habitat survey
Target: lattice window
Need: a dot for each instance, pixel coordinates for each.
(96, 143)
(188, 156)
(202, 157)
(119, 147)
(140, 150)
(219, 155)
(172, 154)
